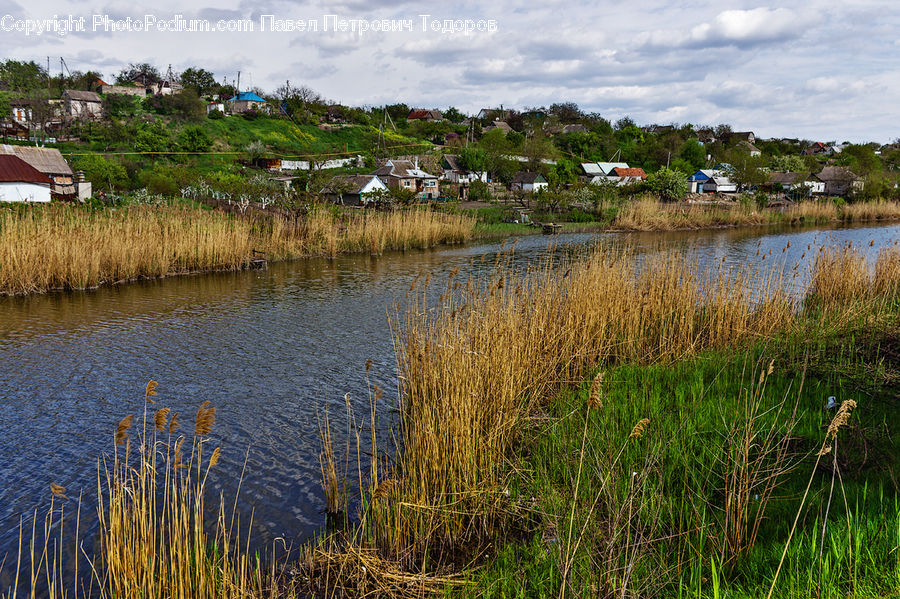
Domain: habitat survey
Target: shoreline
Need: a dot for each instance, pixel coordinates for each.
(481, 233)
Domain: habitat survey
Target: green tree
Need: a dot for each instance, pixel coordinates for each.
(473, 159)
(565, 172)
(453, 115)
(670, 185)
(144, 72)
(746, 170)
(102, 173)
(788, 163)
(693, 152)
(22, 76)
(152, 137)
(200, 80)
(194, 139)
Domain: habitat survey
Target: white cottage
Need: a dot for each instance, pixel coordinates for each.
(21, 182)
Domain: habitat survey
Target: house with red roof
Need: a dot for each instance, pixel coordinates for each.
(420, 114)
(21, 182)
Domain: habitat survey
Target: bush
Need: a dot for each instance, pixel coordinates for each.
(194, 139)
(102, 173)
(479, 191)
(215, 114)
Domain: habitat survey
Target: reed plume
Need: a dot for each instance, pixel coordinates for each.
(122, 429)
(173, 424)
(595, 399)
(638, 431)
(840, 420)
(57, 490)
(206, 418)
(160, 418)
(150, 390)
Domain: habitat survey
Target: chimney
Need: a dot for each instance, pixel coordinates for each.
(417, 162)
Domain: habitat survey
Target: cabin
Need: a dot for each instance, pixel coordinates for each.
(51, 163)
(699, 179)
(792, 181)
(455, 173)
(406, 174)
(528, 181)
(21, 182)
(82, 105)
(719, 184)
(420, 114)
(748, 147)
(247, 101)
(839, 180)
(354, 190)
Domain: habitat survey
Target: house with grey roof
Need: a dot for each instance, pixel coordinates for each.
(839, 180)
(354, 190)
(406, 174)
(81, 104)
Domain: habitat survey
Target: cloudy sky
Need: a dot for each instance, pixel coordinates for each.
(822, 69)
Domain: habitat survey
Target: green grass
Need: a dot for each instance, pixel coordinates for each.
(648, 512)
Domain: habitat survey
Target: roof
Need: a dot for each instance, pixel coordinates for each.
(836, 173)
(81, 96)
(746, 145)
(591, 168)
(629, 172)
(503, 125)
(349, 184)
(417, 114)
(607, 167)
(576, 128)
(786, 178)
(722, 181)
(403, 169)
(527, 177)
(15, 170)
(703, 175)
(452, 161)
(247, 97)
(47, 160)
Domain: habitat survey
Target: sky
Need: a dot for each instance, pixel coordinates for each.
(826, 70)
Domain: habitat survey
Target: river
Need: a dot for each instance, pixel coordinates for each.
(269, 349)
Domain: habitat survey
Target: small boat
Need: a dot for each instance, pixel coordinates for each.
(551, 228)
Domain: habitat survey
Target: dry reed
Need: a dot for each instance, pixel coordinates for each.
(70, 247)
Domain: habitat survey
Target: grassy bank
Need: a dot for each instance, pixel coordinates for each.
(485, 373)
(60, 246)
(649, 214)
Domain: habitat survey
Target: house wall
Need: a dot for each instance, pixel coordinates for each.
(80, 108)
(24, 192)
(124, 90)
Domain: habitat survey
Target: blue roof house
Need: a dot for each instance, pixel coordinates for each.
(246, 101)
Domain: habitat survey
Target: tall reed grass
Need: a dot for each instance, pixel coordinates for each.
(476, 366)
(159, 535)
(69, 247)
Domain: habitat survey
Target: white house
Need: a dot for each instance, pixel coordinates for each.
(81, 104)
(21, 182)
(354, 190)
(526, 181)
(455, 173)
(719, 184)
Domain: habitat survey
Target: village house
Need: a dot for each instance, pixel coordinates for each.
(502, 125)
(699, 179)
(131, 89)
(406, 174)
(625, 175)
(839, 180)
(21, 182)
(18, 123)
(597, 172)
(455, 173)
(81, 104)
(748, 147)
(216, 105)
(720, 183)
(421, 114)
(247, 101)
(52, 164)
(354, 190)
(792, 181)
(527, 181)
(747, 136)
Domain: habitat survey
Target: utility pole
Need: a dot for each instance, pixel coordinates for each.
(238, 89)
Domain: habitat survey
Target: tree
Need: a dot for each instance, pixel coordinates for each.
(144, 72)
(565, 172)
(255, 150)
(102, 173)
(473, 159)
(746, 170)
(152, 137)
(670, 185)
(22, 77)
(789, 163)
(453, 115)
(200, 80)
(194, 139)
(566, 112)
(693, 153)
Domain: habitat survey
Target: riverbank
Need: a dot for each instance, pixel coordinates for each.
(676, 469)
(62, 246)
(648, 214)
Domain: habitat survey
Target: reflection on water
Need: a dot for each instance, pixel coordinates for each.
(267, 348)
